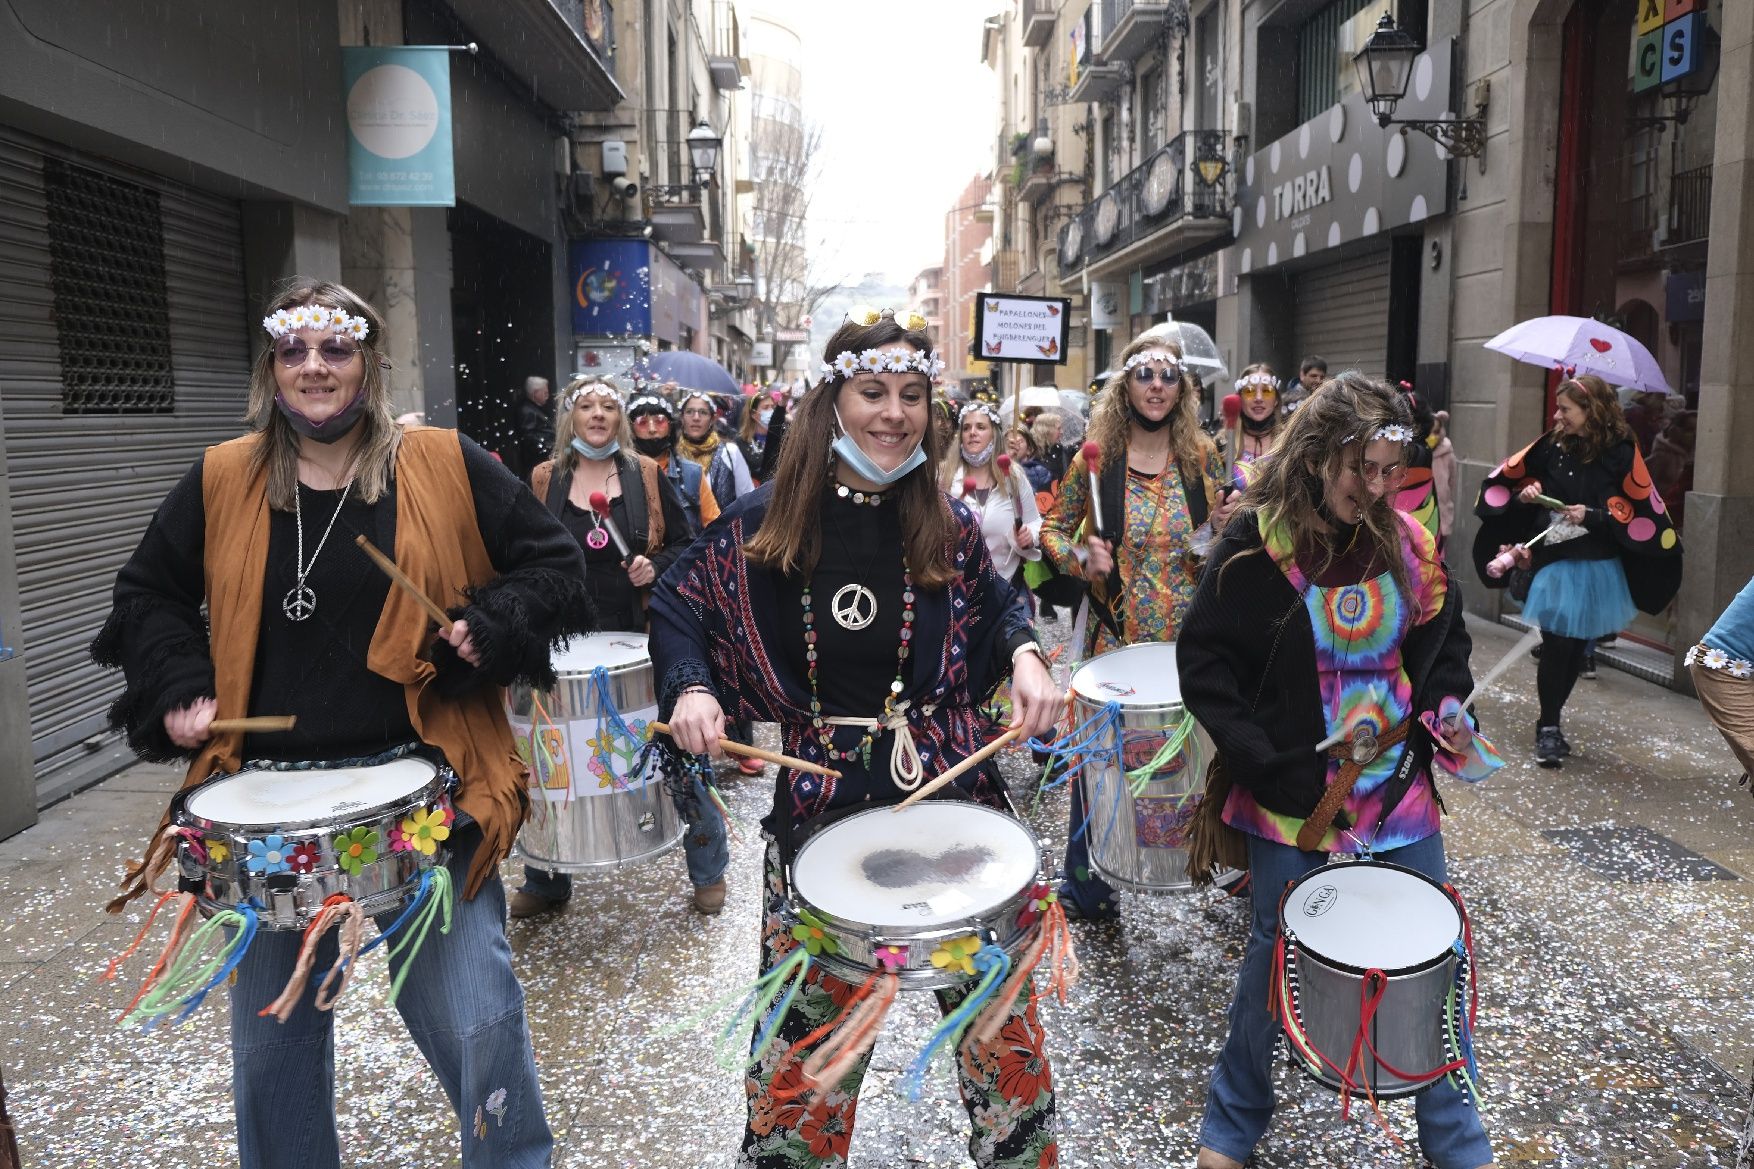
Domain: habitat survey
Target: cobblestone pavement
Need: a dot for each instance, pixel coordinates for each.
(1611, 911)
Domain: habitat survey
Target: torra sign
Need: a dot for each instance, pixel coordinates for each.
(1307, 190)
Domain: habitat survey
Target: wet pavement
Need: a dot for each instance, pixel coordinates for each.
(1611, 903)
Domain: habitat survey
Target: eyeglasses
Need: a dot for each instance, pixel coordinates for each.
(1388, 476)
(696, 412)
(292, 352)
(1254, 392)
(1144, 375)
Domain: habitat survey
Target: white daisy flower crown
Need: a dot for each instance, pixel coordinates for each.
(1393, 432)
(846, 363)
(1150, 355)
(1258, 378)
(601, 389)
(653, 401)
(316, 316)
(978, 408)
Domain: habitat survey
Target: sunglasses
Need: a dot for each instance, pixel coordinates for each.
(292, 352)
(1258, 392)
(1146, 374)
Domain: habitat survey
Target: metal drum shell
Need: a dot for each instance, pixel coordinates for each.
(857, 942)
(1116, 855)
(597, 833)
(1408, 1024)
(292, 900)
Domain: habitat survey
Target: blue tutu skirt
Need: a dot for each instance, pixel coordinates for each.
(1580, 598)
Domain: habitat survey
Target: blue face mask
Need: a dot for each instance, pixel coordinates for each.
(596, 453)
(859, 463)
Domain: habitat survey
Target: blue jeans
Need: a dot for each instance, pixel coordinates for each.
(704, 847)
(1239, 1100)
(463, 1007)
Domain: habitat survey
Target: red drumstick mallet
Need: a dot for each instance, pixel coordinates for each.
(600, 505)
(1004, 464)
(968, 486)
(1093, 464)
(1232, 407)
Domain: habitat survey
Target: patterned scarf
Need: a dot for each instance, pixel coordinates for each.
(702, 451)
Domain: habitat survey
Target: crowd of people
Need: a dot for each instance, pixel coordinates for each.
(1299, 558)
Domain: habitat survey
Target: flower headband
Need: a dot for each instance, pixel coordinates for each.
(847, 363)
(650, 402)
(315, 316)
(978, 408)
(1393, 432)
(1151, 355)
(864, 315)
(601, 389)
(1258, 378)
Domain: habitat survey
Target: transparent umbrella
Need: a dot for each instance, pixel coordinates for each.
(1070, 405)
(1199, 351)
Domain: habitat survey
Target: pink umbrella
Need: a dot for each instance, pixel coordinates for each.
(1582, 345)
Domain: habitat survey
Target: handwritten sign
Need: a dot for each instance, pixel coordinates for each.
(1021, 328)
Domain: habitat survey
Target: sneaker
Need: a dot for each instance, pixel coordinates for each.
(525, 904)
(1564, 744)
(1589, 667)
(709, 899)
(1550, 747)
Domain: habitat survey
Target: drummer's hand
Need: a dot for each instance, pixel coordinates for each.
(1101, 560)
(1036, 703)
(1573, 513)
(187, 727)
(1518, 554)
(641, 572)
(1456, 735)
(1530, 490)
(1227, 504)
(697, 724)
(1024, 538)
(462, 642)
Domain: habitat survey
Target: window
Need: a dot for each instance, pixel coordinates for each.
(1208, 64)
(1325, 46)
(106, 269)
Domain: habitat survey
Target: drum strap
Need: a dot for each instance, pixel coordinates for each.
(905, 767)
(1352, 765)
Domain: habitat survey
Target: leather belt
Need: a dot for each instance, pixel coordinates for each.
(1355, 754)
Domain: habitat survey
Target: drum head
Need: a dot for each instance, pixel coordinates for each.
(282, 799)
(1136, 675)
(934, 863)
(612, 651)
(1371, 916)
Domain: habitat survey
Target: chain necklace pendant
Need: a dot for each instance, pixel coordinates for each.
(298, 603)
(597, 539)
(854, 606)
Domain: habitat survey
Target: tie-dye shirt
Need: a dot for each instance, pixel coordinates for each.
(1359, 629)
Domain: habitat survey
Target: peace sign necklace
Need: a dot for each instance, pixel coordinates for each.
(300, 601)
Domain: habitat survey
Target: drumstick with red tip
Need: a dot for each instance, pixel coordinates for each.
(1093, 464)
(1232, 406)
(968, 486)
(1004, 464)
(600, 505)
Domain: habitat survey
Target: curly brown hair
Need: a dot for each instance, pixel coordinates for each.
(1111, 419)
(1604, 422)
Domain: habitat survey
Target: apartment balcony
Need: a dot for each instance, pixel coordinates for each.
(1130, 28)
(1039, 18)
(1689, 206)
(1174, 201)
(561, 49)
(677, 213)
(1097, 81)
(703, 257)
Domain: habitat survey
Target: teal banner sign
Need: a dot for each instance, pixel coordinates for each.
(399, 127)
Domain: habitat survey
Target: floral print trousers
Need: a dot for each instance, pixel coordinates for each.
(1006, 1085)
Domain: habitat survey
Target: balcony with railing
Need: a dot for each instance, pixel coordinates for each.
(1689, 206)
(1038, 22)
(1097, 77)
(1175, 199)
(1132, 27)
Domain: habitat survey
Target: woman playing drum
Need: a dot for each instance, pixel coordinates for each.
(1325, 612)
(1159, 480)
(303, 624)
(852, 555)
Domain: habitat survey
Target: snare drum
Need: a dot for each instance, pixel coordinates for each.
(1361, 931)
(1138, 824)
(284, 841)
(908, 891)
(588, 813)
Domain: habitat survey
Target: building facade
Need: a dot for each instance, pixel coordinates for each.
(968, 241)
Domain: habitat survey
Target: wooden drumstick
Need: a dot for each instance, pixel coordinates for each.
(260, 722)
(401, 578)
(975, 760)
(748, 752)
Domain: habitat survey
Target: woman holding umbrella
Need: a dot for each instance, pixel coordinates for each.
(1606, 546)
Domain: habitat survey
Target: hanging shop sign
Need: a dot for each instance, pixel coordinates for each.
(1671, 42)
(761, 353)
(398, 126)
(1021, 328)
(1340, 177)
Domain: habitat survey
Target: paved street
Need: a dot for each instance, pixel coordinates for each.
(1611, 903)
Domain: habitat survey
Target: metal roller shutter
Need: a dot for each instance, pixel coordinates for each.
(1343, 313)
(84, 485)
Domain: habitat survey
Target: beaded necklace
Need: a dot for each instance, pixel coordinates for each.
(862, 751)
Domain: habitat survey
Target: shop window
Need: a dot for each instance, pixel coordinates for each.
(106, 269)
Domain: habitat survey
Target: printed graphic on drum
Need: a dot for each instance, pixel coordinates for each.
(589, 810)
(286, 840)
(1373, 984)
(916, 892)
(1143, 781)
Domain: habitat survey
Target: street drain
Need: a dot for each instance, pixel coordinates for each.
(1636, 854)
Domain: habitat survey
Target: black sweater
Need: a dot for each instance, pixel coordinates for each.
(1247, 659)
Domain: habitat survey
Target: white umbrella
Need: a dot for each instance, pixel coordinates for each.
(1583, 345)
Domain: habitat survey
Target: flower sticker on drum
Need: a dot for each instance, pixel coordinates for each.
(422, 831)
(891, 958)
(957, 954)
(813, 935)
(304, 857)
(1040, 897)
(356, 848)
(218, 851)
(268, 855)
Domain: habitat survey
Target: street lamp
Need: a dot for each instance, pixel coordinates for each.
(745, 287)
(1385, 66)
(703, 151)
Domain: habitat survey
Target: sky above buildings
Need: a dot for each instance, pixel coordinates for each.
(908, 116)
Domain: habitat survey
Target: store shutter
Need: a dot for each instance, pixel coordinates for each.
(1342, 313)
(108, 399)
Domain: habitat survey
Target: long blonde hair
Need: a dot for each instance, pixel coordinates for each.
(565, 457)
(372, 464)
(952, 470)
(1111, 418)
